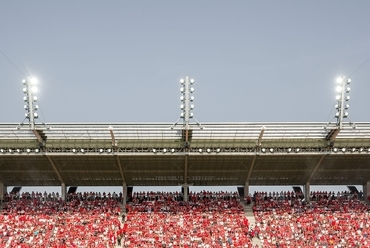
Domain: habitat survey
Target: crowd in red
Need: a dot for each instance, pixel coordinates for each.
(161, 219)
(208, 219)
(32, 220)
(328, 220)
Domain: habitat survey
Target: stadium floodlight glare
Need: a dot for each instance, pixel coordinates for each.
(29, 97)
(343, 90)
(33, 80)
(340, 80)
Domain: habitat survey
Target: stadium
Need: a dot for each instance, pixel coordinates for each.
(101, 155)
(184, 154)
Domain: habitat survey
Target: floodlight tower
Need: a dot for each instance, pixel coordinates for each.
(30, 99)
(186, 100)
(342, 98)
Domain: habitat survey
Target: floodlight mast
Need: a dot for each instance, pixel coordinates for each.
(186, 98)
(30, 99)
(341, 99)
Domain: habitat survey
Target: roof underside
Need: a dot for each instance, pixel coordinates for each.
(153, 154)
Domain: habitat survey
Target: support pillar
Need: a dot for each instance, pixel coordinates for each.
(185, 191)
(306, 189)
(246, 190)
(64, 191)
(2, 192)
(366, 190)
(124, 195)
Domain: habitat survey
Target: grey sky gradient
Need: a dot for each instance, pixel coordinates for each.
(121, 61)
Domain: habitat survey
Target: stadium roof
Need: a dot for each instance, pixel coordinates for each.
(161, 154)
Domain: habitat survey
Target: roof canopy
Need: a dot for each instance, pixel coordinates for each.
(113, 154)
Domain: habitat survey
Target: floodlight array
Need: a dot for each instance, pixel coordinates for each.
(194, 150)
(30, 99)
(342, 98)
(187, 99)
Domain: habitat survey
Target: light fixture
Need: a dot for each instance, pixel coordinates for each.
(28, 150)
(192, 81)
(10, 150)
(74, 150)
(200, 150)
(263, 149)
(82, 150)
(218, 150)
(101, 150)
(343, 149)
(154, 150)
(172, 150)
(368, 149)
(2, 150)
(164, 150)
(361, 149)
(18, 150)
(109, 150)
(37, 150)
(297, 150)
(182, 81)
(271, 150)
(335, 149)
(208, 150)
(353, 149)
(192, 98)
(289, 150)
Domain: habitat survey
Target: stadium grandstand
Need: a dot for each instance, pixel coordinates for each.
(184, 154)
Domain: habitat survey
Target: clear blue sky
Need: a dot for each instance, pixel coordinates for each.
(121, 61)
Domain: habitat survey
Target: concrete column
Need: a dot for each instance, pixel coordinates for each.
(2, 191)
(366, 191)
(124, 194)
(306, 189)
(64, 191)
(185, 189)
(246, 190)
